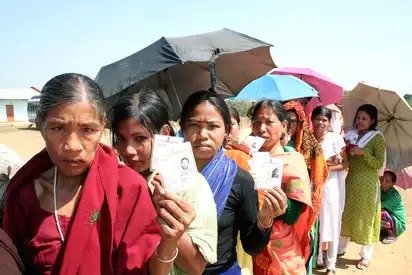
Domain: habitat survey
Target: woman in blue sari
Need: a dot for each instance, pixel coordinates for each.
(206, 123)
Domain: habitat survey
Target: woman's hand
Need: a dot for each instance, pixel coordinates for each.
(357, 151)
(174, 214)
(275, 204)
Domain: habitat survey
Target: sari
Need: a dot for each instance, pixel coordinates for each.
(220, 173)
(305, 143)
(393, 211)
(113, 229)
(288, 247)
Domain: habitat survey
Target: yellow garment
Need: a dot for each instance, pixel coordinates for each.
(203, 229)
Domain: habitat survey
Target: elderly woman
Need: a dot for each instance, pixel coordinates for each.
(205, 121)
(73, 209)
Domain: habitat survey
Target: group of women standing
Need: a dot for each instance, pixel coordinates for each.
(80, 207)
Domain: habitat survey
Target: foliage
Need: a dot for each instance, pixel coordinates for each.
(241, 106)
(408, 98)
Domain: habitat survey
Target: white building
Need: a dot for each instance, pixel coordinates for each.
(13, 103)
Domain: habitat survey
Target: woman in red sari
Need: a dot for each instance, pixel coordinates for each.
(73, 209)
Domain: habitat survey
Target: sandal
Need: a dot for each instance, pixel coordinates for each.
(363, 264)
(330, 272)
(388, 240)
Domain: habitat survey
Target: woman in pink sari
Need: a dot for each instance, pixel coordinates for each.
(73, 209)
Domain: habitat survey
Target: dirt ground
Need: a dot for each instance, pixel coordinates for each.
(388, 259)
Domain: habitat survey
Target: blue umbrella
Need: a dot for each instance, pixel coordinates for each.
(278, 87)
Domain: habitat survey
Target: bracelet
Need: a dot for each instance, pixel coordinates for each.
(167, 261)
(268, 226)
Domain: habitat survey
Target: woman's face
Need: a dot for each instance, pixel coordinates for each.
(266, 124)
(293, 120)
(134, 144)
(363, 121)
(386, 182)
(205, 129)
(235, 130)
(72, 132)
(321, 123)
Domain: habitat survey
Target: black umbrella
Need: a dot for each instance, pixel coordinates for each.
(177, 67)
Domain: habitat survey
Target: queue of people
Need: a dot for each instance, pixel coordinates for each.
(81, 207)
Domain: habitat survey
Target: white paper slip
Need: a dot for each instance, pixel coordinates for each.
(254, 143)
(269, 174)
(178, 168)
(162, 145)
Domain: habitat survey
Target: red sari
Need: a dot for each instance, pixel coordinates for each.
(113, 229)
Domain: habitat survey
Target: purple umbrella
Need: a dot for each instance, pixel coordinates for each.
(329, 91)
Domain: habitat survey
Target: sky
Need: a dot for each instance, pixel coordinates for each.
(349, 41)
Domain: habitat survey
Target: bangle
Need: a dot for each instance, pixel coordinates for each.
(267, 226)
(167, 261)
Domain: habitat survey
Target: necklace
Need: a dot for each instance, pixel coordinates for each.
(56, 217)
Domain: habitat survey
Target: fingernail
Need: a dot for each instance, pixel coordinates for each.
(162, 191)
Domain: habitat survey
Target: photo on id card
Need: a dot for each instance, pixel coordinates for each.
(162, 145)
(269, 174)
(178, 168)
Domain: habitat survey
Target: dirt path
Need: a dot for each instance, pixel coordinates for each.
(388, 259)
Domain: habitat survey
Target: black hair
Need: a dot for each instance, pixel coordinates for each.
(371, 111)
(392, 174)
(234, 114)
(70, 88)
(213, 99)
(147, 107)
(321, 111)
(274, 105)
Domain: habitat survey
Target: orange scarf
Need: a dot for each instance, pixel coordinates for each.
(309, 147)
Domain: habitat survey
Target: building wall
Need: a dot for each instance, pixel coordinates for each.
(19, 107)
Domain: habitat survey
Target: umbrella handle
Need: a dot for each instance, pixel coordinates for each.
(212, 68)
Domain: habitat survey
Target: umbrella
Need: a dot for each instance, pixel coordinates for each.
(278, 87)
(329, 91)
(404, 176)
(394, 121)
(178, 67)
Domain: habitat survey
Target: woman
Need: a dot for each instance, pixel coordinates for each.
(134, 121)
(305, 143)
(361, 216)
(232, 141)
(72, 209)
(205, 121)
(288, 248)
(393, 214)
(330, 215)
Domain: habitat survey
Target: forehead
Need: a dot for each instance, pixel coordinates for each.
(81, 111)
(320, 116)
(132, 126)
(206, 112)
(363, 114)
(266, 112)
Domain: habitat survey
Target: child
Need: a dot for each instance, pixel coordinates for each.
(393, 214)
